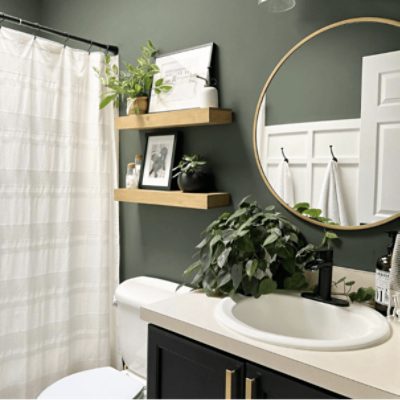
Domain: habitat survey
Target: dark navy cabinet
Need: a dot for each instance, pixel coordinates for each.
(181, 368)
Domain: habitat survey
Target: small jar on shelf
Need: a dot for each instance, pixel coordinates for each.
(131, 179)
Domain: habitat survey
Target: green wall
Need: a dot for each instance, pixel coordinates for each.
(159, 241)
(327, 71)
(25, 9)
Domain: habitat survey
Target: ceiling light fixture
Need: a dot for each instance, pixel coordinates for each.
(278, 6)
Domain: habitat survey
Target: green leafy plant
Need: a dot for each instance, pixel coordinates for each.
(304, 208)
(133, 82)
(251, 251)
(361, 295)
(189, 165)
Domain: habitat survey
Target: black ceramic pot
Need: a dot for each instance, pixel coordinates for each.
(196, 182)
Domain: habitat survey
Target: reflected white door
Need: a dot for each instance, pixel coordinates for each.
(379, 188)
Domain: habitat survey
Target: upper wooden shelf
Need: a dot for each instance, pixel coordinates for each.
(173, 198)
(175, 119)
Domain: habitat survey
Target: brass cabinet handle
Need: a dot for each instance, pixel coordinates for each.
(228, 383)
(249, 388)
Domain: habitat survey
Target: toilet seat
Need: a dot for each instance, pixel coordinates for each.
(97, 383)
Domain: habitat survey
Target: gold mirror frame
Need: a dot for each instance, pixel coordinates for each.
(377, 20)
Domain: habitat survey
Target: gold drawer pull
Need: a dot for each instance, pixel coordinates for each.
(249, 388)
(228, 383)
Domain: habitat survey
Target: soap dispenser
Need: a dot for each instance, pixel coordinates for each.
(382, 277)
(208, 94)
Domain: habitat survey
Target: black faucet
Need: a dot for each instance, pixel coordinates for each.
(323, 263)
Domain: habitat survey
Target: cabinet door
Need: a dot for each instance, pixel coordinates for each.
(269, 384)
(181, 368)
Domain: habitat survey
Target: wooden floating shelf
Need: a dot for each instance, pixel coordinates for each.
(174, 198)
(175, 119)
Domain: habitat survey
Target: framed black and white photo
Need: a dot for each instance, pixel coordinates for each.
(159, 158)
(182, 69)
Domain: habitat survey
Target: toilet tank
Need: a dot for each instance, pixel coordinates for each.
(131, 330)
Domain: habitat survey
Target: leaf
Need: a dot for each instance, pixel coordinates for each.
(236, 274)
(267, 286)
(300, 207)
(289, 264)
(202, 243)
(363, 295)
(295, 282)
(238, 213)
(107, 100)
(251, 267)
(270, 239)
(312, 212)
(159, 82)
(342, 279)
(205, 257)
(222, 259)
(331, 235)
(223, 279)
(259, 274)
(166, 88)
(215, 240)
(193, 267)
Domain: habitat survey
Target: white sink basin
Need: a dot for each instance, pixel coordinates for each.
(293, 321)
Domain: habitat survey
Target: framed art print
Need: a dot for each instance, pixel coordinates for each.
(182, 69)
(159, 159)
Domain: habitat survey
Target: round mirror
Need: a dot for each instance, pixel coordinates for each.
(326, 130)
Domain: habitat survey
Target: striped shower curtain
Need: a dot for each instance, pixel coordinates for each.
(58, 222)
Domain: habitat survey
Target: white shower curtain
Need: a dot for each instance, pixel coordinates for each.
(58, 222)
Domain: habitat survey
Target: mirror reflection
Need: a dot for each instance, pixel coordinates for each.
(328, 126)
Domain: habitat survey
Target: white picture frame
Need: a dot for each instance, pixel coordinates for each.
(180, 70)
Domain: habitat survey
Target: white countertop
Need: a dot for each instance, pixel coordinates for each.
(365, 373)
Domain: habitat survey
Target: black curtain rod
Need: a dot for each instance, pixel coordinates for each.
(35, 25)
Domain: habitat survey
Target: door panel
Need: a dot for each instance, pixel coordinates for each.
(181, 368)
(270, 384)
(379, 191)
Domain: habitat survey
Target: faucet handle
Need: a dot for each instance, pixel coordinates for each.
(323, 258)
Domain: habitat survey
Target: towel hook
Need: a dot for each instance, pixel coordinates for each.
(333, 155)
(284, 156)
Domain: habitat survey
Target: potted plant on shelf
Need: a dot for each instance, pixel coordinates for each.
(134, 83)
(252, 251)
(193, 175)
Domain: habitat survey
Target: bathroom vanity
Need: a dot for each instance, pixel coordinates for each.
(182, 368)
(192, 355)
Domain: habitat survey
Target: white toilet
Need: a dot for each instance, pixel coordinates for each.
(107, 382)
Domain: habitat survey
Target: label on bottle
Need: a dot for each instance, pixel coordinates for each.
(382, 287)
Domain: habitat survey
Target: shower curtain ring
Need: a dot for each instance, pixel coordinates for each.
(37, 27)
(66, 40)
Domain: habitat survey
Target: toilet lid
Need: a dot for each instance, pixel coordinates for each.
(98, 383)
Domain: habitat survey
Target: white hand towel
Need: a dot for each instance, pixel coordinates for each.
(285, 187)
(331, 198)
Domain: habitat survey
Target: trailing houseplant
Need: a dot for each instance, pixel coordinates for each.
(192, 174)
(252, 251)
(304, 208)
(134, 83)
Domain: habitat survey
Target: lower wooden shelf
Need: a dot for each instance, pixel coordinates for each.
(174, 198)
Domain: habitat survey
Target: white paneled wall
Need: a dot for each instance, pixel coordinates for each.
(307, 147)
